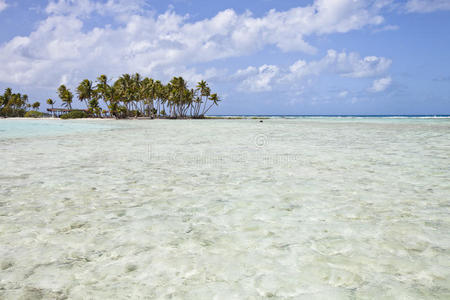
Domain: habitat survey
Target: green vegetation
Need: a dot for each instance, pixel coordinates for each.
(51, 103)
(33, 114)
(36, 105)
(128, 96)
(134, 96)
(13, 104)
(76, 114)
(66, 96)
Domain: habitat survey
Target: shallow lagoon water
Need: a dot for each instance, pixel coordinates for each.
(226, 209)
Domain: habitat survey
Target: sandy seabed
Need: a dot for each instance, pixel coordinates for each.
(225, 209)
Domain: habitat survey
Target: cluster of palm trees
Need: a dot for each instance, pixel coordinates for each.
(15, 104)
(134, 96)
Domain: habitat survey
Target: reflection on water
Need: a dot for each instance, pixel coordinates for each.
(288, 208)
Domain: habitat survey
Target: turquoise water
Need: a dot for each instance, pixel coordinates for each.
(304, 208)
(19, 128)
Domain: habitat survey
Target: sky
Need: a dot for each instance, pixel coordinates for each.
(270, 57)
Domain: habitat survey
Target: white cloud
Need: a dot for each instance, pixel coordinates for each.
(3, 5)
(426, 6)
(84, 8)
(140, 41)
(343, 94)
(245, 73)
(258, 80)
(381, 84)
(343, 64)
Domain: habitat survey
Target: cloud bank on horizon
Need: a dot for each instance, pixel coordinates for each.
(305, 57)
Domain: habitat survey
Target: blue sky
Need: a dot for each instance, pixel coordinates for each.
(262, 57)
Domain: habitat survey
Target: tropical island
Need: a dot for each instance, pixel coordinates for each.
(130, 96)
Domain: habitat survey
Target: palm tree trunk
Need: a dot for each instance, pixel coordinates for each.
(209, 107)
(204, 106)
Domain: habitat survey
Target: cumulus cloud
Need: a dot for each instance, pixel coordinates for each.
(343, 64)
(426, 6)
(3, 5)
(381, 84)
(141, 41)
(259, 80)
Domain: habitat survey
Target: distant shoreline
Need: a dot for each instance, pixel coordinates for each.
(252, 117)
(340, 116)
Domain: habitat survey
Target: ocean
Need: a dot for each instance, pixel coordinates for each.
(333, 207)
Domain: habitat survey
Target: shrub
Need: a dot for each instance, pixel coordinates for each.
(10, 112)
(134, 113)
(34, 114)
(76, 114)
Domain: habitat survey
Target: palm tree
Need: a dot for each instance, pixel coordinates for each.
(65, 95)
(114, 109)
(102, 88)
(13, 104)
(159, 95)
(36, 105)
(148, 93)
(94, 108)
(113, 98)
(205, 92)
(51, 102)
(215, 101)
(125, 89)
(132, 95)
(85, 91)
(4, 102)
(179, 97)
(24, 99)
